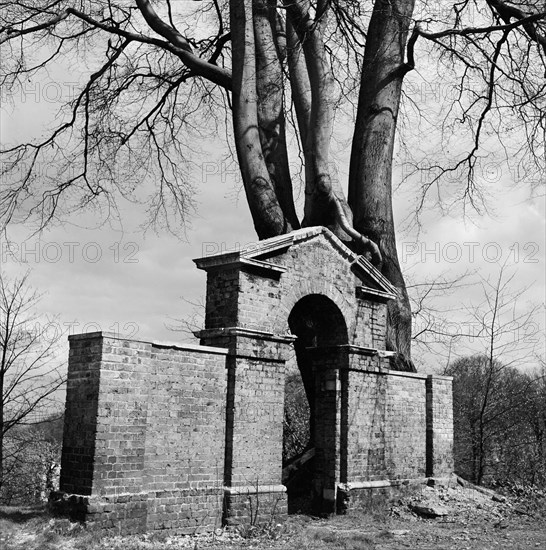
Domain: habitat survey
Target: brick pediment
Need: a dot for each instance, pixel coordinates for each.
(266, 257)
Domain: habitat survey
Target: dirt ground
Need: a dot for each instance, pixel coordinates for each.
(427, 534)
(465, 519)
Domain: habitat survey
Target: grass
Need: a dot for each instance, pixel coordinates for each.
(326, 538)
(35, 529)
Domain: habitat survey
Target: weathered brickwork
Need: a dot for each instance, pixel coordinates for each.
(386, 426)
(185, 443)
(121, 417)
(155, 425)
(222, 298)
(256, 423)
(255, 505)
(82, 396)
(183, 438)
(439, 426)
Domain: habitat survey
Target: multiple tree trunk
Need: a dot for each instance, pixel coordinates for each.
(261, 43)
(276, 49)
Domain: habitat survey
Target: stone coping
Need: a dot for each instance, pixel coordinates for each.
(365, 292)
(161, 345)
(245, 332)
(386, 290)
(266, 246)
(191, 347)
(243, 264)
(351, 348)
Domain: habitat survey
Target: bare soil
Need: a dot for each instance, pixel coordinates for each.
(470, 520)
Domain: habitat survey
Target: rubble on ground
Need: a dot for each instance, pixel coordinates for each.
(456, 501)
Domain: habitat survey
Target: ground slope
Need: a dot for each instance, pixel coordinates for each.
(438, 518)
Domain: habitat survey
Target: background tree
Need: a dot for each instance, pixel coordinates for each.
(32, 460)
(436, 331)
(157, 75)
(498, 422)
(30, 372)
(296, 436)
(497, 406)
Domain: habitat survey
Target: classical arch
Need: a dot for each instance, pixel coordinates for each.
(294, 295)
(318, 324)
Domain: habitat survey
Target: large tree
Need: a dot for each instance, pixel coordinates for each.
(30, 373)
(283, 70)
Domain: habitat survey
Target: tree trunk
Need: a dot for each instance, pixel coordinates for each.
(370, 180)
(260, 140)
(319, 185)
(325, 203)
(299, 82)
(267, 214)
(271, 121)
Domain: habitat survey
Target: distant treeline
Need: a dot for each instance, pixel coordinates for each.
(32, 458)
(499, 421)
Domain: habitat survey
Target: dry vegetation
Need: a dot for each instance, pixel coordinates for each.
(474, 519)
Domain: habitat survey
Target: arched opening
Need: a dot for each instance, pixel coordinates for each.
(312, 402)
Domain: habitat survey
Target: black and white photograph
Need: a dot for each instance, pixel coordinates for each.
(272, 274)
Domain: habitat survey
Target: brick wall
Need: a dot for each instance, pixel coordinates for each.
(185, 437)
(121, 417)
(254, 423)
(439, 426)
(150, 424)
(398, 431)
(184, 459)
(386, 424)
(222, 298)
(80, 426)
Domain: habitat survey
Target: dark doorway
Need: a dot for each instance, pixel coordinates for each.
(311, 433)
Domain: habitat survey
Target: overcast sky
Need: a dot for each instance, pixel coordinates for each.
(134, 284)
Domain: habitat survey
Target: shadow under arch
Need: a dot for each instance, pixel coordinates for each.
(321, 339)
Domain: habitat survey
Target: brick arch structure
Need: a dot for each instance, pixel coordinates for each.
(329, 324)
(181, 437)
(317, 287)
(317, 321)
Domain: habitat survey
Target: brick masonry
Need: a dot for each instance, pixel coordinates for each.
(145, 434)
(184, 438)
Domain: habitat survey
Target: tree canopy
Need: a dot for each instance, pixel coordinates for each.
(157, 74)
